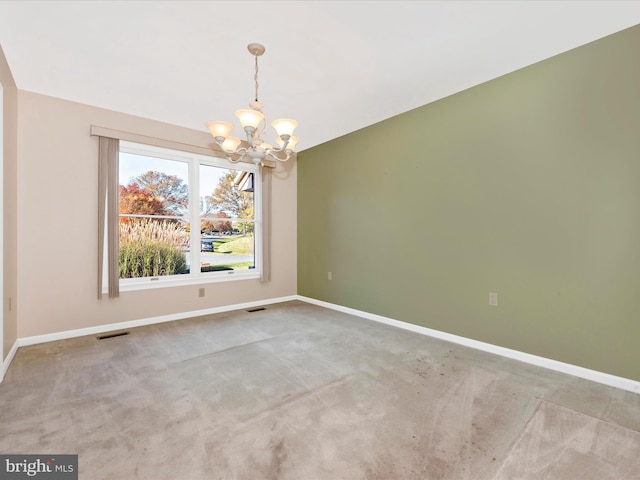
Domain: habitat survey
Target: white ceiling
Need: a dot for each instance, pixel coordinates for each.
(333, 66)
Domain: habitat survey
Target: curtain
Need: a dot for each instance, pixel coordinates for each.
(265, 273)
(108, 213)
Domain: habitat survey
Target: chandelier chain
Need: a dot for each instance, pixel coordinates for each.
(255, 77)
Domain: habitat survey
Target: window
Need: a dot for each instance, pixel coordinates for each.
(185, 218)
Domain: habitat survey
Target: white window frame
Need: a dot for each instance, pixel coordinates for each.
(196, 276)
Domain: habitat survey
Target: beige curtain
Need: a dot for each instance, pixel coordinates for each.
(265, 274)
(108, 213)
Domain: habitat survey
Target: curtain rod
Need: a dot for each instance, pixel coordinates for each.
(213, 151)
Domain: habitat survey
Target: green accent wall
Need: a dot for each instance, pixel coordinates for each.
(527, 185)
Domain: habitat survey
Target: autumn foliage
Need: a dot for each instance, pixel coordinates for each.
(136, 200)
(219, 226)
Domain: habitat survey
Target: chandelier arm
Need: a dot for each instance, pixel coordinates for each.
(274, 155)
(264, 129)
(239, 153)
(241, 157)
(283, 148)
(233, 152)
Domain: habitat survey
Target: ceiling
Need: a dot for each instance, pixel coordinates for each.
(334, 66)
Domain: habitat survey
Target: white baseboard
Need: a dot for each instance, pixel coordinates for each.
(7, 361)
(81, 332)
(593, 375)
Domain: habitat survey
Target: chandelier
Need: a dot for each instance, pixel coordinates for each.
(254, 123)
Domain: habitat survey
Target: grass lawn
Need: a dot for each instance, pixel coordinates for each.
(237, 245)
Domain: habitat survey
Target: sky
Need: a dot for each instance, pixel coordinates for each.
(133, 165)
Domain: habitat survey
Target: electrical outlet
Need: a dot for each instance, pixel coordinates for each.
(201, 292)
(329, 276)
(493, 299)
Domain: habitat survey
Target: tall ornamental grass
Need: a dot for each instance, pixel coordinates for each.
(151, 248)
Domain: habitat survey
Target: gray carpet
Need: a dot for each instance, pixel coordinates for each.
(562, 443)
(299, 392)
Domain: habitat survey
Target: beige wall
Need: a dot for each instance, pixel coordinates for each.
(9, 214)
(57, 231)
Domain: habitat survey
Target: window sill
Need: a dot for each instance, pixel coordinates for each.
(129, 285)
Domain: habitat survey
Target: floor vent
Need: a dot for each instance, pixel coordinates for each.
(113, 335)
(256, 309)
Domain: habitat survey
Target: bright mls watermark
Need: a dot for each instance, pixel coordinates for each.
(46, 467)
